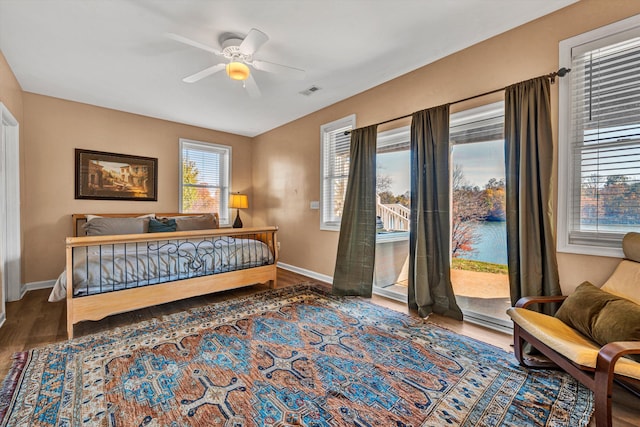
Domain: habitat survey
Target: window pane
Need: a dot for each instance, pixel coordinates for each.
(337, 188)
(393, 187)
(200, 200)
(478, 229)
(610, 182)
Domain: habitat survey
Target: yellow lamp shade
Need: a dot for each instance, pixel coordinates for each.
(237, 71)
(238, 201)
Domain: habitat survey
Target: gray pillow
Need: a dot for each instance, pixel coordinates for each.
(111, 226)
(197, 222)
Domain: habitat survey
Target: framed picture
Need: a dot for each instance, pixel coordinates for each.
(111, 176)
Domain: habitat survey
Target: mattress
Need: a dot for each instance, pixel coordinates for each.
(112, 267)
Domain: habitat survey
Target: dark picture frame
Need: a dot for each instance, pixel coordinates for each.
(112, 176)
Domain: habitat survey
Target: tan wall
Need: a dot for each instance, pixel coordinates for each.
(10, 90)
(286, 160)
(54, 128)
(11, 97)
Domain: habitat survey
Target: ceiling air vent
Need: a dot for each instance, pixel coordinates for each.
(309, 91)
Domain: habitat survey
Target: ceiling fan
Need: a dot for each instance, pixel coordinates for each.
(239, 53)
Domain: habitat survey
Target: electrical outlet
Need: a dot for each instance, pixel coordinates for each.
(314, 204)
(278, 245)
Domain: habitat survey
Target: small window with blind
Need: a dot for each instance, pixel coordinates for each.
(334, 155)
(205, 178)
(599, 154)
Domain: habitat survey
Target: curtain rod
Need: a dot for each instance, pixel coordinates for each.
(551, 76)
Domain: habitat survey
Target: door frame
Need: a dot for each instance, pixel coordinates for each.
(11, 234)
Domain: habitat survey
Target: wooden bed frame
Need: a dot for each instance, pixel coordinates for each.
(99, 306)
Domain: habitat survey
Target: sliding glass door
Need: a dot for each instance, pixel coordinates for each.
(478, 227)
(393, 187)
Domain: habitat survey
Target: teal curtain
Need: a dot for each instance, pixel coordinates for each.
(533, 269)
(357, 242)
(430, 287)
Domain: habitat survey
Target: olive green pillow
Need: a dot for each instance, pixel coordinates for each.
(619, 320)
(601, 316)
(580, 310)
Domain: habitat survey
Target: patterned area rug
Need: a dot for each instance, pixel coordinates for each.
(290, 357)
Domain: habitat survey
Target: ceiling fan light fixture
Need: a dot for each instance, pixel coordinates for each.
(237, 71)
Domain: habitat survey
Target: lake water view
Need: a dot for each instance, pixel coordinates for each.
(492, 243)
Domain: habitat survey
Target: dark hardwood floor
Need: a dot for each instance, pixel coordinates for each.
(34, 322)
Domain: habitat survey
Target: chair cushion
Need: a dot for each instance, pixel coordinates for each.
(567, 341)
(625, 281)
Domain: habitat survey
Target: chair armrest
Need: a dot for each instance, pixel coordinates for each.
(524, 302)
(615, 350)
(609, 355)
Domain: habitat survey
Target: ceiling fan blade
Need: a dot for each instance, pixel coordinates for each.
(182, 39)
(270, 67)
(253, 41)
(204, 73)
(251, 87)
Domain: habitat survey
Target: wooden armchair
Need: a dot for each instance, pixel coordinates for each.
(595, 366)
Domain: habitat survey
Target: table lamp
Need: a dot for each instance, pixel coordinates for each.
(238, 201)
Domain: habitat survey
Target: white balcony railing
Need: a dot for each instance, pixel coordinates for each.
(394, 216)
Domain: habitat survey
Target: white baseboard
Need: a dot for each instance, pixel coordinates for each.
(32, 286)
(44, 284)
(314, 275)
(22, 291)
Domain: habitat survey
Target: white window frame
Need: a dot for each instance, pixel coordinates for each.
(566, 172)
(225, 220)
(325, 132)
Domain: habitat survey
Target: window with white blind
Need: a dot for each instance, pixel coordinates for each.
(599, 156)
(334, 152)
(205, 176)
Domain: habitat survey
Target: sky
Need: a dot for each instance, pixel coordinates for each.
(480, 162)
(396, 165)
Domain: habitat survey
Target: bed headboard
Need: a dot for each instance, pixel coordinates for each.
(80, 219)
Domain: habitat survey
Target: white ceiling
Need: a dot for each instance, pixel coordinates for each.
(114, 53)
